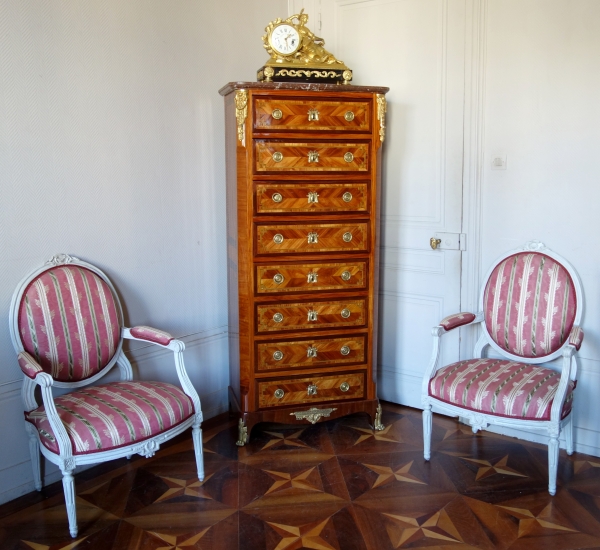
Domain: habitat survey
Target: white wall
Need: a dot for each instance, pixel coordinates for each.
(112, 150)
(532, 83)
(542, 109)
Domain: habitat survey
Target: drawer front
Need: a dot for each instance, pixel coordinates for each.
(325, 237)
(315, 353)
(286, 114)
(303, 316)
(310, 277)
(345, 197)
(275, 393)
(311, 157)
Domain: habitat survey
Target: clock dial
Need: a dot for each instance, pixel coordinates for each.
(284, 39)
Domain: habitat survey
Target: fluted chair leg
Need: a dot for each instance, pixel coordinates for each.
(69, 489)
(427, 422)
(568, 428)
(552, 463)
(197, 439)
(34, 451)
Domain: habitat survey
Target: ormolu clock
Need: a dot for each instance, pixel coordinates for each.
(298, 55)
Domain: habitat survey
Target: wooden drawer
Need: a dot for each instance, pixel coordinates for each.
(311, 315)
(274, 393)
(305, 238)
(314, 353)
(320, 197)
(309, 277)
(274, 114)
(311, 157)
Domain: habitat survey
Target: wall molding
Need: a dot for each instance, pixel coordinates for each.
(473, 157)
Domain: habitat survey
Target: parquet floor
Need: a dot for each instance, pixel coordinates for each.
(335, 485)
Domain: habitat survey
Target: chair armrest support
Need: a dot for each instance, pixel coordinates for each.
(456, 320)
(568, 373)
(165, 340)
(45, 382)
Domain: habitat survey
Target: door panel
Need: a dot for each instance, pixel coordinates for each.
(416, 47)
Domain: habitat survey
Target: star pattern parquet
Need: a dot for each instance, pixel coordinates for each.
(337, 485)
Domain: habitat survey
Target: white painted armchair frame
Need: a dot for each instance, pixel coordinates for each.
(479, 421)
(66, 460)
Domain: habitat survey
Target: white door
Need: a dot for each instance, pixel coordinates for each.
(417, 48)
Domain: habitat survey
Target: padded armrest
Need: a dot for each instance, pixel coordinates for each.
(457, 320)
(149, 334)
(576, 337)
(29, 365)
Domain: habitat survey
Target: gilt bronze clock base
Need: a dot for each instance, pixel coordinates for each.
(302, 73)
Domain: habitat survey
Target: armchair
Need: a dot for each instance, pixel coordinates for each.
(66, 325)
(530, 309)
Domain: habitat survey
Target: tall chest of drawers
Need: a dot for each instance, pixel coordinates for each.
(303, 192)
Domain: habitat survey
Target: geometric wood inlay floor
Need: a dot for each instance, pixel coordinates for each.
(334, 485)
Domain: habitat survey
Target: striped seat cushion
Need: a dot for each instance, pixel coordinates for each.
(113, 415)
(69, 323)
(529, 305)
(500, 387)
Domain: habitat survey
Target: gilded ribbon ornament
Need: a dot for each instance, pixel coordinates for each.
(381, 110)
(241, 112)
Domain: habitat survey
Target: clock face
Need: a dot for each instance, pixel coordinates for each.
(284, 39)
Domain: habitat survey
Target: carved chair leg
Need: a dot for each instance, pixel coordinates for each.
(568, 427)
(427, 422)
(552, 463)
(34, 451)
(69, 489)
(197, 438)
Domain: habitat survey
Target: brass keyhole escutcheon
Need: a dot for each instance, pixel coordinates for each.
(313, 237)
(434, 243)
(312, 390)
(313, 114)
(312, 315)
(277, 156)
(278, 278)
(311, 351)
(279, 393)
(277, 114)
(313, 156)
(278, 355)
(349, 116)
(277, 197)
(348, 157)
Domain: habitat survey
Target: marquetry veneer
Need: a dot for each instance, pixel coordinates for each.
(303, 178)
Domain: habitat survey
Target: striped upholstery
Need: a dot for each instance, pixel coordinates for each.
(457, 320)
(500, 387)
(151, 335)
(529, 305)
(104, 417)
(69, 323)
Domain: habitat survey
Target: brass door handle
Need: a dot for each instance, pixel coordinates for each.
(434, 243)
